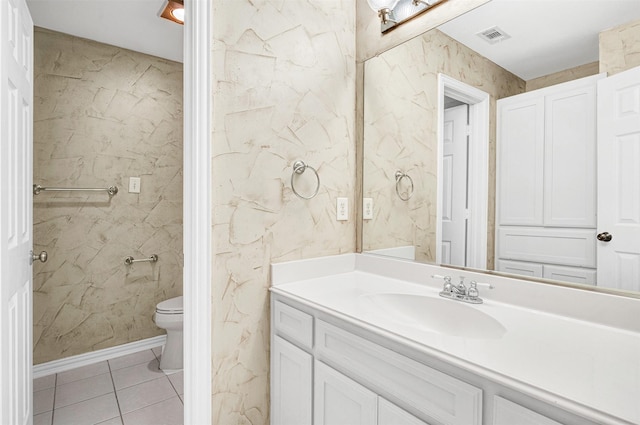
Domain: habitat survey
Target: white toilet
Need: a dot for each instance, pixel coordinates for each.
(169, 315)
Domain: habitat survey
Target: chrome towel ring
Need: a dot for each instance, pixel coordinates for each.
(300, 167)
(407, 195)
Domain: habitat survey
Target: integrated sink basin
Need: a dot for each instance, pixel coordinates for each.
(433, 314)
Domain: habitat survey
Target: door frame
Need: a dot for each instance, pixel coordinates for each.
(197, 211)
(478, 174)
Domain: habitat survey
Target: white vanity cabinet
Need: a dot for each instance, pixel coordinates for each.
(328, 372)
(546, 181)
(299, 382)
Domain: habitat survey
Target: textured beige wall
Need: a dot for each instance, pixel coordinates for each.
(101, 115)
(571, 74)
(620, 48)
(284, 89)
(400, 126)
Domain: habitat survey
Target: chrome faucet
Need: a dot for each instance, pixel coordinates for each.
(460, 292)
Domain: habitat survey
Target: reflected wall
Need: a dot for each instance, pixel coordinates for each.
(400, 133)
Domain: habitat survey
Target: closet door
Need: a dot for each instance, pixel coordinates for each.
(570, 155)
(520, 164)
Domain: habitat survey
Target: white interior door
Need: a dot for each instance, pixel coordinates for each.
(619, 181)
(454, 195)
(16, 123)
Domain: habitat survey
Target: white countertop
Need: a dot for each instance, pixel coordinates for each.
(583, 366)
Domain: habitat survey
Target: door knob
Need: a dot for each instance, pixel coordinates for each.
(604, 236)
(42, 257)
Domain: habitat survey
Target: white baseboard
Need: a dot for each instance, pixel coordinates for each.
(57, 366)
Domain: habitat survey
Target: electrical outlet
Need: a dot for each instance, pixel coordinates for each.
(342, 209)
(134, 184)
(367, 208)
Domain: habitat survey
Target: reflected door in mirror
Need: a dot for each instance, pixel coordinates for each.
(454, 185)
(619, 180)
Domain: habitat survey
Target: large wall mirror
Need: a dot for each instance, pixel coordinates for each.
(516, 83)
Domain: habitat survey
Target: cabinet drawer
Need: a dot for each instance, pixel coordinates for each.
(548, 271)
(293, 324)
(506, 412)
(569, 247)
(570, 274)
(520, 268)
(414, 385)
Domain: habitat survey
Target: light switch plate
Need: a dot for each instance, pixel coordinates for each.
(367, 208)
(342, 209)
(134, 184)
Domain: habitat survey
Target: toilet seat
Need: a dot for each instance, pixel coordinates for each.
(170, 306)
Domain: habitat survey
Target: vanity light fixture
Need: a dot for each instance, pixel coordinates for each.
(384, 9)
(395, 12)
(174, 11)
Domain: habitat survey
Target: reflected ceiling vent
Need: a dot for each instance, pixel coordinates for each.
(493, 35)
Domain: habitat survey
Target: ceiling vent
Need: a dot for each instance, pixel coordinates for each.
(493, 35)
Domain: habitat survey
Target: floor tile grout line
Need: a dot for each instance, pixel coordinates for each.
(115, 393)
(173, 386)
(55, 390)
(154, 404)
(83, 401)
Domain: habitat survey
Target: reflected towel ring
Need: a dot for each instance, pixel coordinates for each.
(299, 167)
(399, 176)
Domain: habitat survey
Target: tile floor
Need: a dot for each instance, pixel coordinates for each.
(128, 390)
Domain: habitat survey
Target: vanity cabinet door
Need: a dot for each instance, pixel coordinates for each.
(390, 414)
(291, 383)
(506, 412)
(339, 400)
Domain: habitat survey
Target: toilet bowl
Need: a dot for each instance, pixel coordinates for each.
(169, 315)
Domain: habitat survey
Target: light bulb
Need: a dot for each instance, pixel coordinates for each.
(377, 5)
(178, 14)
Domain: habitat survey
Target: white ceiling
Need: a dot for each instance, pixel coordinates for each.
(131, 24)
(546, 35)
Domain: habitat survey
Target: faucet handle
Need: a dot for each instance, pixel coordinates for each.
(447, 281)
(461, 285)
(472, 292)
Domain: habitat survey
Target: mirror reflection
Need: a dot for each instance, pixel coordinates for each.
(501, 142)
